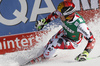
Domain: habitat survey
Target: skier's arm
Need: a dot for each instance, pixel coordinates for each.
(83, 28)
(54, 15)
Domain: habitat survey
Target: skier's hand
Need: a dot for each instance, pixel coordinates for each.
(40, 24)
(82, 57)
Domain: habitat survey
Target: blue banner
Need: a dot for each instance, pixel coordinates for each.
(19, 16)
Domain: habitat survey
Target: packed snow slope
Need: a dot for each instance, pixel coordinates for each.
(63, 58)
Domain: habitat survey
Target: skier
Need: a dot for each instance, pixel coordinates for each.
(70, 36)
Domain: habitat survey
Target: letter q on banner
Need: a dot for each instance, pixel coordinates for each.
(20, 16)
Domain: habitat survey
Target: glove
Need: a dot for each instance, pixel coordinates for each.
(40, 24)
(83, 56)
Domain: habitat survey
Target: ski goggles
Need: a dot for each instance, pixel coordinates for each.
(69, 12)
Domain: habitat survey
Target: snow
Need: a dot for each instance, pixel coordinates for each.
(63, 58)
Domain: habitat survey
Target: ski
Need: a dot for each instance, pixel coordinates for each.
(89, 58)
(67, 61)
(93, 57)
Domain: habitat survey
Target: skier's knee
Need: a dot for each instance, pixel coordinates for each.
(60, 41)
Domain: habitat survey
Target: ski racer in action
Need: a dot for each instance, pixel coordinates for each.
(70, 36)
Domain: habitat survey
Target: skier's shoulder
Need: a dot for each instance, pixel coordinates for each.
(79, 18)
(57, 12)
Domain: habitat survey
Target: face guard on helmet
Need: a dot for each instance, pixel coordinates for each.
(67, 9)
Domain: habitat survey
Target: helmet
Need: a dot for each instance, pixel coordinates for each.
(66, 8)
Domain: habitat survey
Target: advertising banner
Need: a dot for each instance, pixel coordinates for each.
(20, 42)
(18, 17)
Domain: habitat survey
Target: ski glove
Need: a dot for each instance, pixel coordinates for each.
(40, 24)
(83, 56)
